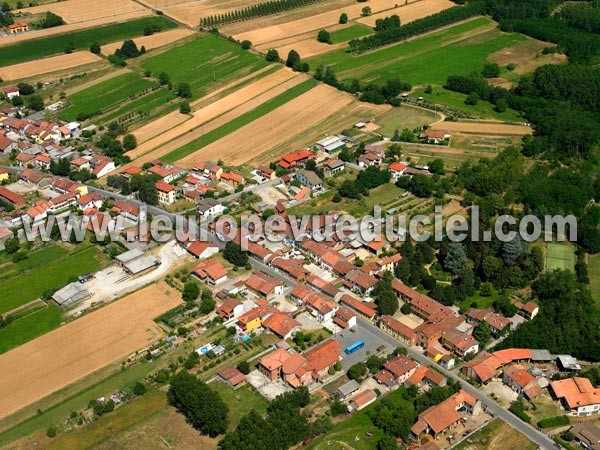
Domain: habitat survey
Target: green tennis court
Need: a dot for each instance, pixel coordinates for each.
(560, 257)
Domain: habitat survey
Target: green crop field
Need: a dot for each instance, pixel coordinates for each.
(349, 33)
(204, 61)
(239, 122)
(102, 96)
(145, 104)
(51, 45)
(560, 257)
(458, 50)
(30, 327)
(404, 117)
(456, 100)
(50, 267)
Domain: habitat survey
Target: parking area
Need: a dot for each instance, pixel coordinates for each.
(361, 333)
(268, 389)
(502, 392)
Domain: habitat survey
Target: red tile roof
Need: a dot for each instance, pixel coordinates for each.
(357, 305)
(576, 392)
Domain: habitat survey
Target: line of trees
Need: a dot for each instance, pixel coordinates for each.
(389, 33)
(260, 9)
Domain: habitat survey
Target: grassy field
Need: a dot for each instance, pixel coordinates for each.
(240, 401)
(29, 327)
(204, 61)
(496, 435)
(458, 50)
(404, 117)
(594, 272)
(109, 93)
(456, 101)
(148, 104)
(50, 267)
(42, 47)
(560, 257)
(239, 122)
(349, 33)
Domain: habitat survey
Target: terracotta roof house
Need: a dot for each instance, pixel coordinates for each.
(211, 272)
(344, 318)
(291, 160)
(200, 249)
(521, 381)
(366, 310)
(264, 285)
(230, 308)
(16, 200)
(440, 417)
(320, 307)
(397, 329)
(363, 399)
(577, 395)
(320, 285)
(401, 367)
(427, 375)
(281, 324)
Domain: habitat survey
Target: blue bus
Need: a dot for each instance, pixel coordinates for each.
(354, 347)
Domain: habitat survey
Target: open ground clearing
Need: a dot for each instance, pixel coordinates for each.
(101, 96)
(497, 435)
(47, 65)
(41, 44)
(238, 103)
(73, 11)
(290, 119)
(404, 117)
(410, 12)
(457, 50)
(63, 356)
(526, 56)
(492, 128)
(152, 41)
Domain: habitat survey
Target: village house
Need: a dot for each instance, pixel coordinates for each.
(281, 324)
(230, 309)
(7, 145)
(461, 344)
(439, 418)
(14, 199)
(427, 376)
(128, 211)
(266, 172)
(167, 173)
(398, 330)
(232, 376)
(396, 371)
(587, 434)
(293, 268)
(166, 192)
(211, 272)
(264, 285)
(528, 310)
(344, 318)
(251, 320)
(521, 381)
(10, 92)
(232, 179)
(90, 201)
(333, 166)
(210, 207)
(486, 366)
(435, 136)
(200, 249)
(362, 400)
(320, 285)
(367, 310)
(208, 169)
(577, 395)
(309, 179)
(320, 307)
(397, 169)
(294, 159)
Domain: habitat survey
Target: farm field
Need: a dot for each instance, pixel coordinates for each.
(256, 136)
(34, 48)
(481, 127)
(30, 327)
(104, 95)
(560, 257)
(456, 101)
(83, 10)
(50, 267)
(404, 117)
(153, 41)
(594, 273)
(349, 33)
(95, 341)
(47, 65)
(416, 10)
(203, 62)
(262, 109)
(463, 48)
(150, 104)
(215, 114)
(497, 435)
(262, 35)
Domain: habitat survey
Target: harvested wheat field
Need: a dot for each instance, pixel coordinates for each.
(273, 34)
(47, 65)
(69, 353)
(307, 48)
(290, 119)
(152, 41)
(73, 11)
(234, 104)
(410, 12)
(495, 128)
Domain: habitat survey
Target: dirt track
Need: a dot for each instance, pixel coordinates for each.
(288, 120)
(63, 356)
(153, 41)
(215, 114)
(47, 65)
(495, 128)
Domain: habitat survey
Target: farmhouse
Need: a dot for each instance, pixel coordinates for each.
(309, 179)
(436, 136)
(521, 381)
(200, 249)
(397, 169)
(439, 418)
(166, 192)
(168, 174)
(291, 160)
(16, 200)
(211, 272)
(18, 28)
(10, 92)
(428, 376)
(333, 166)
